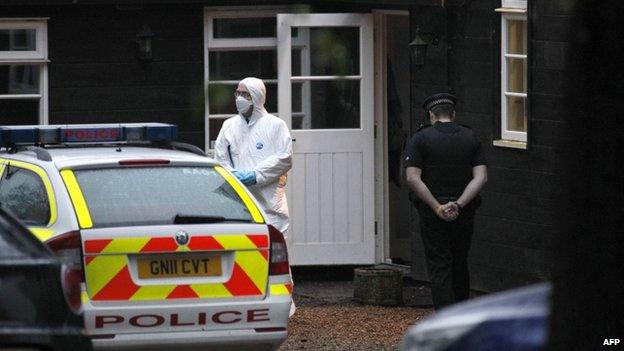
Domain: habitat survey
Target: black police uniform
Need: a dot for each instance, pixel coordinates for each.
(446, 153)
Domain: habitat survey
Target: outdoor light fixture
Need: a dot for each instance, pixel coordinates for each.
(418, 46)
(144, 44)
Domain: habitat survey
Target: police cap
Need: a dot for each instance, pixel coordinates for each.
(439, 99)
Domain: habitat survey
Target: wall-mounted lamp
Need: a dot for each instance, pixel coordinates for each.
(418, 46)
(144, 44)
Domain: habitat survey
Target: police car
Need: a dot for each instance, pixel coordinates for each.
(174, 252)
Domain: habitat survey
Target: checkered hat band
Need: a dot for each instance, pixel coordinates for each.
(438, 102)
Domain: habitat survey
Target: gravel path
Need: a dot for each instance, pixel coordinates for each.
(343, 325)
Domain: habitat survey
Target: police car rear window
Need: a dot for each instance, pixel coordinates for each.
(155, 195)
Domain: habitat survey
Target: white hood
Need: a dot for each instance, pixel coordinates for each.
(257, 90)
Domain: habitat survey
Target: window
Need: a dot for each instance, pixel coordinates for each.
(23, 193)
(23, 71)
(122, 196)
(513, 74)
(241, 44)
(237, 46)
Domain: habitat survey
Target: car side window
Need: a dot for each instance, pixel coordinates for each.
(23, 193)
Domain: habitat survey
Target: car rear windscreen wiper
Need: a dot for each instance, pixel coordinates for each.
(199, 219)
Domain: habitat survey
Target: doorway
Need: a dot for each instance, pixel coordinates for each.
(396, 67)
(344, 92)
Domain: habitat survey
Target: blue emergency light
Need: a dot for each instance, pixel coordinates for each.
(86, 133)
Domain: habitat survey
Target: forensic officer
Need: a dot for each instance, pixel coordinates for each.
(256, 146)
(446, 169)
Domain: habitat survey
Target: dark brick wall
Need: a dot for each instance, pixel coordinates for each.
(513, 243)
(94, 75)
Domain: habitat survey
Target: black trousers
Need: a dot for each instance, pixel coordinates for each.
(446, 251)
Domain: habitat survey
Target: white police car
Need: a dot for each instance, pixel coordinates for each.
(175, 252)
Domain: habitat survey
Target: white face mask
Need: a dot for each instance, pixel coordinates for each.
(242, 104)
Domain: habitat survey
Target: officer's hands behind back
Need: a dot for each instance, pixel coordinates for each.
(448, 212)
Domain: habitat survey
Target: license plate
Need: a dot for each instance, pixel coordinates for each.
(179, 266)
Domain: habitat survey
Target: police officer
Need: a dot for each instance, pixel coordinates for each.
(446, 169)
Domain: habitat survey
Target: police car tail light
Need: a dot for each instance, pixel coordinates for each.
(67, 247)
(71, 279)
(279, 255)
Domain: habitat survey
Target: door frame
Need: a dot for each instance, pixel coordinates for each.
(382, 197)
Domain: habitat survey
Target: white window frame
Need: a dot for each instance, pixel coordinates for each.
(232, 44)
(507, 134)
(517, 4)
(38, 56)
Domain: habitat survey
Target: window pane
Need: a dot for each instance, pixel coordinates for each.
(18, 40)
(516, 37)
(244, 27)
(215, 128)
(299, 90)
(155, 195)
(333, 51)
(516, 82)
(516, 114)
(23, 194)
(19, 79)
(19, 112)
(236, 65)
(332, 105)
(221, 98)
(271, 98)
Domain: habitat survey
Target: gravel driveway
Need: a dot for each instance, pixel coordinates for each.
(327, 319)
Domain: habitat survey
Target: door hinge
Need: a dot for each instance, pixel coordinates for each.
(375, 131)
(375, 227)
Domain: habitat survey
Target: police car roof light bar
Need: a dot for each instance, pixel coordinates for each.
(11, 136)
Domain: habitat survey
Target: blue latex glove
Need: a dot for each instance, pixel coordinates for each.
(246, 177)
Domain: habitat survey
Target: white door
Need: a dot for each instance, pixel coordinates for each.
(325, 94)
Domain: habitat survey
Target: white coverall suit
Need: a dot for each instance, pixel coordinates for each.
(264, 146)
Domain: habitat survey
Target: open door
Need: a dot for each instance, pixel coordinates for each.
(325, 95)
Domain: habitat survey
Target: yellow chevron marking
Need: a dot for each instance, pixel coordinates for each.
(153, 292)
(242, 193)
(46, 183)
(101, 270)
(256, 267)
(125, 245)
(42, 234)
(80, 205)
(235, 242)
(279, 289)
(211, 290)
